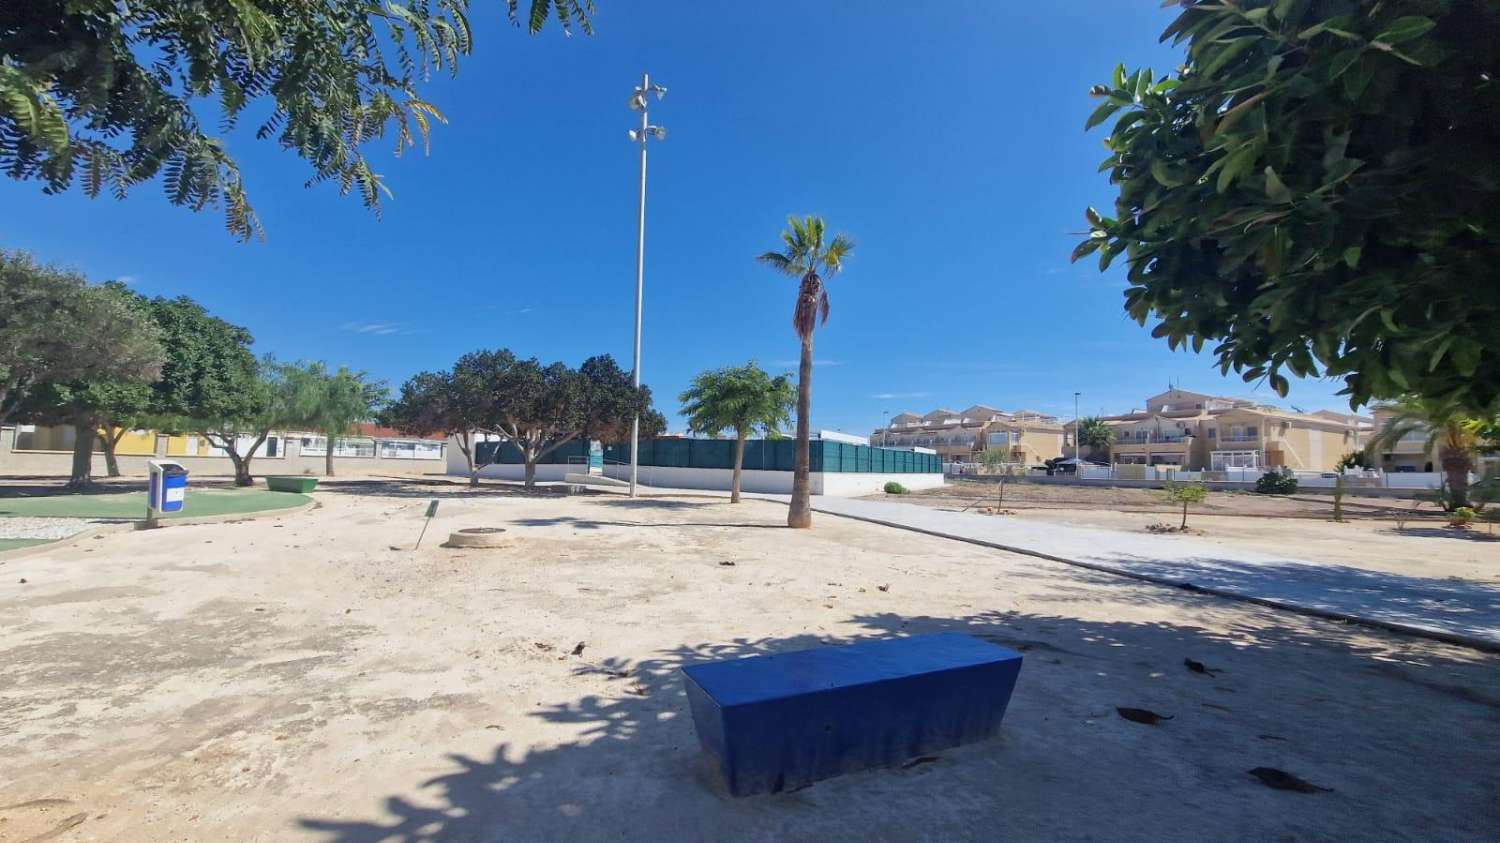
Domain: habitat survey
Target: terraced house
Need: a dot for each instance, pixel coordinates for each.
(1194, 431)
(961, 436)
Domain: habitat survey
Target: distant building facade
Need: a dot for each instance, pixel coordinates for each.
(1196, 432)
(962, 436)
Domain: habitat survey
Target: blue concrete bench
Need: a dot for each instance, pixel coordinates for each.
(784, 721)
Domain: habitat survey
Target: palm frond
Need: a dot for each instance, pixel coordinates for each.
(781, 263)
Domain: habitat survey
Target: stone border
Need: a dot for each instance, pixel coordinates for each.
(140, 524)
(1471, 641)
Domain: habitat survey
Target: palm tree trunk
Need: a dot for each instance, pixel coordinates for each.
(1184, 516)
(1456, 466)
(328, 456)
(739, 462)
(800, 512)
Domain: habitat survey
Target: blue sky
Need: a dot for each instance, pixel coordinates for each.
(946, 139)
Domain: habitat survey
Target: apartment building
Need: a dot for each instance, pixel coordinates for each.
(961, 436)
(1195, 432)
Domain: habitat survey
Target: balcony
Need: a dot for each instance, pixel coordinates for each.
(1240, 439)
(1154, 442)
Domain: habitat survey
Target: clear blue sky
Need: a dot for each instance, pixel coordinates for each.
(946, 139)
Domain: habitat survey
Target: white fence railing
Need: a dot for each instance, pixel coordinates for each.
(1308, 479)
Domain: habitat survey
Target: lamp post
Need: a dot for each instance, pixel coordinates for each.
(1077, 443)
(641, 136)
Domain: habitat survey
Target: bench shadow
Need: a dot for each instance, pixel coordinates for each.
(634, 770)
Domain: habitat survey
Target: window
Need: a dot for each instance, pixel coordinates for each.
(35, 437)
(1213, 433)
(317, 446)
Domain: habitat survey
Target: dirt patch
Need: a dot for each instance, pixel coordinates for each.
(305, 681)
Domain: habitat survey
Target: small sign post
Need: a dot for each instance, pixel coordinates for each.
(431, 511)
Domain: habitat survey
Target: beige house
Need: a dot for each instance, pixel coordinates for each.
(1409, 453)
(962, 435)
(1194, 432)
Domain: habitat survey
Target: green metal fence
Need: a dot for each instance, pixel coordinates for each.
(776, 455)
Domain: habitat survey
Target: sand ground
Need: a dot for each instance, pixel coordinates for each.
(296, 678)
(1420, 545)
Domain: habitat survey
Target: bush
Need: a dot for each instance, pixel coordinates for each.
(1461, 517)
(894, 488)
(1276, 483)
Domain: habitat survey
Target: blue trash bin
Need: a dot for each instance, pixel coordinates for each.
(169, 491)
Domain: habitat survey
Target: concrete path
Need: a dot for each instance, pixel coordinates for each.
(1460, 611)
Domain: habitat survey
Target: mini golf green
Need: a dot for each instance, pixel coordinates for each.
(12, 544)
(130, 505)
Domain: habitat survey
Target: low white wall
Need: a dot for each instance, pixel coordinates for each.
(515, 471)
(843, 484)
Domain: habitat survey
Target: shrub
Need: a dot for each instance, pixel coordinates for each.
(894, 488)
(1276, 483)
(1461, 517)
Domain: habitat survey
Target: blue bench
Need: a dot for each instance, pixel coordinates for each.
(779, 722)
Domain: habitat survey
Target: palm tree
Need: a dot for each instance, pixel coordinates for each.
(742, 398)
(1095, 435)
(808, 258)
(1454, 434)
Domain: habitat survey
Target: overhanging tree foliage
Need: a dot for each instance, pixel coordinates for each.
(1316, 193)
(109, 94)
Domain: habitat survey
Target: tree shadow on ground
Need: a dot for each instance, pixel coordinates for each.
(594, 524)
(1367, 715)
(659, 503)
(428, 489)
(1451, 604)
(1447, 533)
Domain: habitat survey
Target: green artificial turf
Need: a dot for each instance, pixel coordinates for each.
(129, 505)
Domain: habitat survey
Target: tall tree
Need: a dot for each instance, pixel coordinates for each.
(334, 402)
(124, 357)
(1315, 193)
(744, 399)
(211, 383)
(55, 328)
(1456, 436)
(813, 262)
(112, 92)
(541, 408)
(458, 403)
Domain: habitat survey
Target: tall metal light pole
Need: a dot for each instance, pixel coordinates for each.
(641, 136)
(1077, 443)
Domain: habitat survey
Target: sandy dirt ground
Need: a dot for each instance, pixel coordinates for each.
(294, 677)
(1302, 528)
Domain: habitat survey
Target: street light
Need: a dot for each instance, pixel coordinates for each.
(637, 102)
(1077, 443)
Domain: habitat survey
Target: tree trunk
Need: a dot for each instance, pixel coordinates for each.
(530, 469)
(241, 468)
(739, 462)
(83, 458)
(1456, 466)
(110, 441)
(1184, 516)
(328, 456)
(800, 512)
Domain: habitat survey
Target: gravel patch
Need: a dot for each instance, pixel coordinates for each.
(44, 528)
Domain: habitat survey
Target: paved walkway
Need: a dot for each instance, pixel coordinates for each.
(1460, 611)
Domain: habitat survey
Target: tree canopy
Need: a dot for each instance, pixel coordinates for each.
(745, 399)
(1315, 193)
(108, 95)
(56, 328)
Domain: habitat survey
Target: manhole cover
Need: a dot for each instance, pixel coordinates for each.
(476, 537)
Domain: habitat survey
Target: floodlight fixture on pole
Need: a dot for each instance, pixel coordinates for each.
(642, 135)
